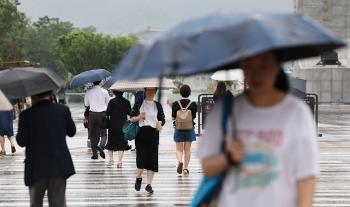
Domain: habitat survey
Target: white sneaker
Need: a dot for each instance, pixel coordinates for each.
(110, 163)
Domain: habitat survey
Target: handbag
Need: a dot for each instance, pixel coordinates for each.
(210, 187)
(130, 130)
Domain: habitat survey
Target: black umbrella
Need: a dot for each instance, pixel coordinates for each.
(24, 82)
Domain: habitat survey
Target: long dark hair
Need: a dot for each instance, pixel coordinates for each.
(220, 90)
(282, 82)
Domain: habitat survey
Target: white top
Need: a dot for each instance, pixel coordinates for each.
(151, 110)
(280, 149)
(97, 98)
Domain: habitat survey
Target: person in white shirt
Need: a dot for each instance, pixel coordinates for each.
(149, 115)
(97, 99)
(273, 158)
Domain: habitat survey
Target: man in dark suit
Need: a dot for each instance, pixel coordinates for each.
(42, 130)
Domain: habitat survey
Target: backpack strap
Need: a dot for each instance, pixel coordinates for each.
(180, 105)
(188, 105)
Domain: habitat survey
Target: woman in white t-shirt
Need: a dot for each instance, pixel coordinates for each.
(277, 148)
(150, 116)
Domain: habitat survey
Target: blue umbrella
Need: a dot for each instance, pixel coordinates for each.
(90, 76)
(220, 41)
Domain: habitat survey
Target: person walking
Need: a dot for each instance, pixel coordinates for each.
(221, 91)
(6, 129)
(150, 116)
(271, 155)
(42, 130)
(62, 95)
(97, 99)
(118, 109)
(183, 113)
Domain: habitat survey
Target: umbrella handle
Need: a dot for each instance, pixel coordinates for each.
(160, 86)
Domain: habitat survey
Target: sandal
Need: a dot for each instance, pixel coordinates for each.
(186, 172)
(119, 165)
(110, 163)
(179, 168)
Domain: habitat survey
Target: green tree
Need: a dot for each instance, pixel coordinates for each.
(13, 26)
(41, 37)
(81, 51)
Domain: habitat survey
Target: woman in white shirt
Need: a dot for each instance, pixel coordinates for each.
(150, 116)
(277, 148)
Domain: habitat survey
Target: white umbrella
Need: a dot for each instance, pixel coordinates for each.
(230, 75)
(5, 105)
(141, 84)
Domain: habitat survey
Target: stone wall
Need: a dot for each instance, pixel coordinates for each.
(331, 83)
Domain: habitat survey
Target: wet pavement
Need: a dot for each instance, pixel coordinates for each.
(96, 185)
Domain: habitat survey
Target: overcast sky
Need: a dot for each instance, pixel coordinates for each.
(129, 16)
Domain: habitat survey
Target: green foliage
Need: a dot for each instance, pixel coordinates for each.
(57, 44)
(41, 36)
(80, 51)
(13, 25)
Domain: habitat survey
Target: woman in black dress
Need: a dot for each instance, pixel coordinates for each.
(117, 111)
(150, 116)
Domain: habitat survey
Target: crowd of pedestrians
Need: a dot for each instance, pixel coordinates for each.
(48, 162)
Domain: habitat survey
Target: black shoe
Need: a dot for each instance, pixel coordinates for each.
(102, 153)
(179, 168)
(138, 184)
(149, 188)
(13, 149)
(94, 157)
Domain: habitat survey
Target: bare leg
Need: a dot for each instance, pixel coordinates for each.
(139, 173)
(179, 151)
(110, 155)
(187, 154)
(2, 143)
(150, 175)
(120, 156)
(12, 141)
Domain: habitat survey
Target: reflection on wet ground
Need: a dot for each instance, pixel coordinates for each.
(96, 185)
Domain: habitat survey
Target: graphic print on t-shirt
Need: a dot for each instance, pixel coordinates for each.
(259, 167)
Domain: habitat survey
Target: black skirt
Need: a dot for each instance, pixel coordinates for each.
(116, 141)
(147, 142)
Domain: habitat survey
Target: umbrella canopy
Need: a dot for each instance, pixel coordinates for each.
(24, 82)
(5, 105)
(108, 83)
(230, 75)
(141, 84)
(221, 41)
(90, 76)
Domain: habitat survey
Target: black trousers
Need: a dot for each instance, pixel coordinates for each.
(56, 192)
(95, 124)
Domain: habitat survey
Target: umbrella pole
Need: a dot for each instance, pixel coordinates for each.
(159, 88)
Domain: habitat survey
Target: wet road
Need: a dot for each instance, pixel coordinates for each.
(96, 185)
